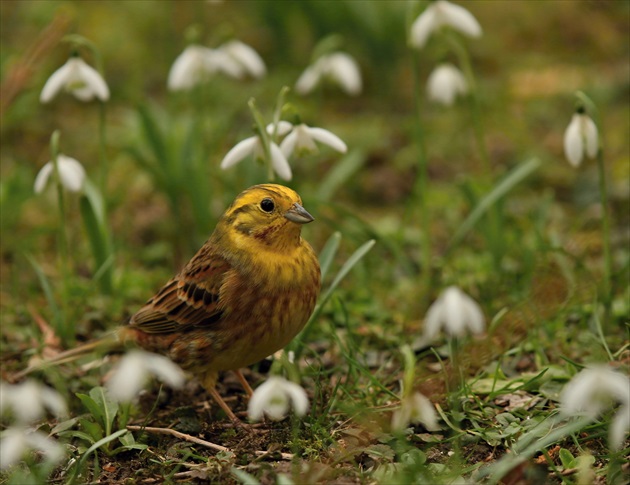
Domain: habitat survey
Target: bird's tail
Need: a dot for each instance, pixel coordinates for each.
(108, 343)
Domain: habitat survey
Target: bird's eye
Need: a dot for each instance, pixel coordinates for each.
(267, 205)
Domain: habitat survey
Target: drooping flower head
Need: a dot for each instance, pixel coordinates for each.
(197, 64)
(302, 140)
(135, 368)
(595, 389)
(16, 442)
(415, 408)
(29, 400)
(580, 138)
(455, 313)
(445, 83)
(338, 68)
(71, 174)
(78, 78)
(274, 398)
(439, 14)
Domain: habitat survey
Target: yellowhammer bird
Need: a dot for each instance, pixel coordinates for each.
(245, 294)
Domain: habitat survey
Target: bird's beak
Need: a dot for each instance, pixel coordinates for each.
(298, 214)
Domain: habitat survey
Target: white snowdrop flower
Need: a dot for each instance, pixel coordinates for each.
(197, 64)
(29, 400)
(253, 146)
(454, 312)
(338, 67)
(135, 368)
(16, 442)
(189, 69)
(580, 137)
(445, 83)
(75, 76)
(274, 397)
(71, 174)
(246, 57)
(302, 140)
(595, 389)
(415, 408)
(443, 14)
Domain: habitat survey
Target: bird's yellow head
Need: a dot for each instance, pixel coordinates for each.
(269, 214)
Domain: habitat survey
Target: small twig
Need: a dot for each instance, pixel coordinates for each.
(284, 456)
(179, 435)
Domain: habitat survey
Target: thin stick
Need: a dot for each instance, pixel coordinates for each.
(177, 434)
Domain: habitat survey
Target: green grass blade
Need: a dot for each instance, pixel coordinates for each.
(515, 177)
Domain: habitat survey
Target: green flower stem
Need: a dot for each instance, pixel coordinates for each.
(603, 192)
(419, 196)
(102, 139)
(495, 239)
(475, 105)
(62, 238)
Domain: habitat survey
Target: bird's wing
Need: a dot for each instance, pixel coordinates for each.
(190, 299)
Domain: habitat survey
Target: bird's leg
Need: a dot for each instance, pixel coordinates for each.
(219, 400)
(244, 383)
(209, 381)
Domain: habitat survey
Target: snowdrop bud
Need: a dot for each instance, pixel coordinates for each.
(445, 83)
(580, 137)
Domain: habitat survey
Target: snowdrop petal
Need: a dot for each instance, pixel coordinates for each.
(39, 441)
(423, 27)
(308, 80)
(128, 379)
(345, 70)
(459, 18)
(239, 151)
(92, 78)
(589, 131)
(573, 144)
(455, 313)
(219, 61)
(247, 57)
(288, 144)
(593, 389)
(274, 397)
(56, 82)
(71, 173)
(16, 442)
(279, 162)
(432, 322)
(619, 427)
(415, 409)
(190, 68)
(165, 370)
(282, 129)
(42, 178)
(298, 398)
(445, 83)
(328, 138)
